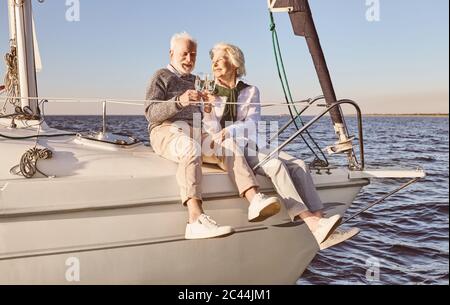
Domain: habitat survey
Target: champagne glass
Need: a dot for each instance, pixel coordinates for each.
(200, 82)
(210, 83)
(210, 87)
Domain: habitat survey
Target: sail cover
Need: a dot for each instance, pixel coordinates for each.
(298, 12)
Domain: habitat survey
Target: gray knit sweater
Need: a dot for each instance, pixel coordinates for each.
(166, 86)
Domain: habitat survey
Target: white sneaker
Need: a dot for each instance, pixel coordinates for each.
(263, 207)
(206, 227)
(326, 227)
(338, 236)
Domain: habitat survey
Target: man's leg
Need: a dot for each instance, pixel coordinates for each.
(173, 144)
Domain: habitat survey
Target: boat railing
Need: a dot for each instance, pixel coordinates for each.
(309, 102)
(352, 165)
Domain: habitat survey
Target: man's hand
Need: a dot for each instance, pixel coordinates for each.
(190, 97)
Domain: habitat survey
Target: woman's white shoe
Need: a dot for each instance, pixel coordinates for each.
(338, 237)
(326, 227)
(206, 227)
(263, 207)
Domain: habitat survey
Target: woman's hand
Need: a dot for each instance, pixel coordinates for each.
(220, 136)
(208, 100)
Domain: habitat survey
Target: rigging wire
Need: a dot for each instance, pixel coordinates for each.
(130, 102)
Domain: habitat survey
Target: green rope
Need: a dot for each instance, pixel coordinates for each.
(286, 88)
(280, 66)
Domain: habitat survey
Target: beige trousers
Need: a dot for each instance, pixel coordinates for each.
(292, 180)
(185, 148)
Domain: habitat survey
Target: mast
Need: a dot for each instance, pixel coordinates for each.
(303, 25)
(21, 34)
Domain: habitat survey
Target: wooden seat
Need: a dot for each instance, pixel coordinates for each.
(208, 168)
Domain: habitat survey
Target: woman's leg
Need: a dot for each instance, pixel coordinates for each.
(277, 171)
(303, 182)
(231, 158)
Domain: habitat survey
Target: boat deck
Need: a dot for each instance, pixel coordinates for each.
(90, 174)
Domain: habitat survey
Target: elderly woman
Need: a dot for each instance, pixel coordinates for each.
(235, 111)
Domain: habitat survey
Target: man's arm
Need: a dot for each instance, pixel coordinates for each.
(157, 110)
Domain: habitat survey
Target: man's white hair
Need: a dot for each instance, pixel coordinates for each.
(235, 55)
(180, 36)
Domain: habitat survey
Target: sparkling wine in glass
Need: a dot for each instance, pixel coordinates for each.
(210, 87)
(210, 83)
(200, 82)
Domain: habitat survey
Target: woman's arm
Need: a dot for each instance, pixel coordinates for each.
(211, 124)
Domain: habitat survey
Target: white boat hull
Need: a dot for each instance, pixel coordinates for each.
(146, 245)
(115, 213)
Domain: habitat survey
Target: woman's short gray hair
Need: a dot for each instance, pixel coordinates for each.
(235, 55)
(180, 36)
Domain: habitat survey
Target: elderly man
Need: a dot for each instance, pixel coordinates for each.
(173, 111)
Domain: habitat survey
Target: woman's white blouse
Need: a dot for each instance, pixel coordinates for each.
(248, 115)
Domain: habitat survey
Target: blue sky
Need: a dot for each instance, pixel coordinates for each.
(397, 65)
